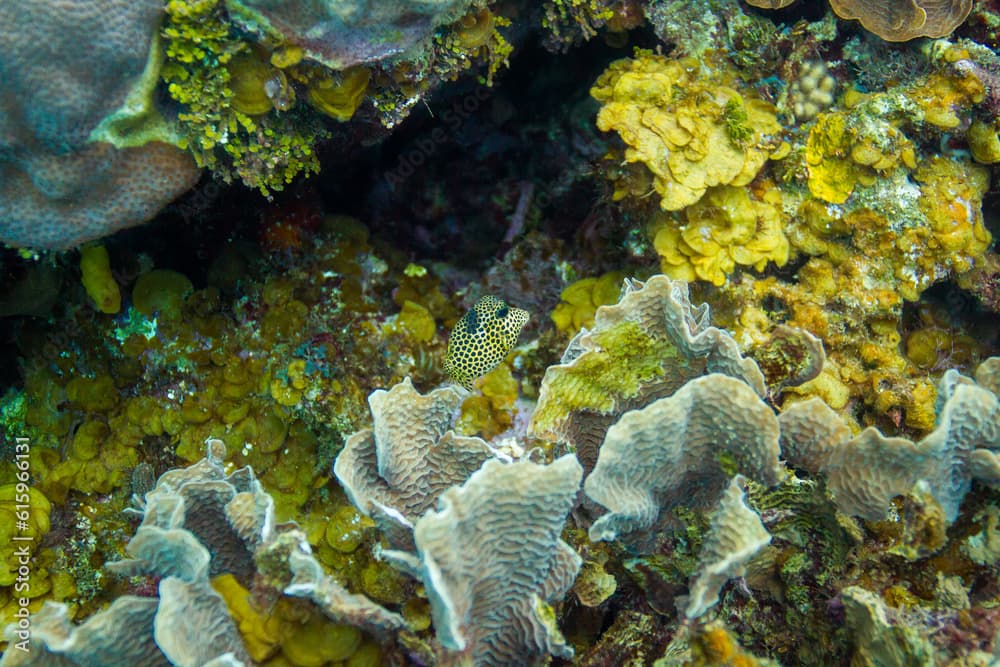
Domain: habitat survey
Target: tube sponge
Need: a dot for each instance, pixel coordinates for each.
(95, 270)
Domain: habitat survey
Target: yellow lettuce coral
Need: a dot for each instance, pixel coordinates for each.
(686, 123)
(24, 513)
(580, 300)
(842, 153)
(725, 228)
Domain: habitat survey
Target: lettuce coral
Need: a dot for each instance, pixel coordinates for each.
(580, 301)
(501, 527)
(647, 345)
(681, 449)
(24, 513)
(410, 456)
(686, 123)
(865, 472)
(841, 154)
(722, 229)
(735, 536)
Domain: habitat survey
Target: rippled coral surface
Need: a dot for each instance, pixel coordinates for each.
(768, 235)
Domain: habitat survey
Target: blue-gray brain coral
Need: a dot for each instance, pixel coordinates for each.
(340, 33)
(491, 560)
(66, 67)
(865, 472)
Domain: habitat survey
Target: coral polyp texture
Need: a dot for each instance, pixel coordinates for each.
(865, 472)
(492, 561)
(82, 150)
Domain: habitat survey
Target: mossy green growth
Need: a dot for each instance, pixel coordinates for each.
(737, 121)
(624, 358)
(267, 151)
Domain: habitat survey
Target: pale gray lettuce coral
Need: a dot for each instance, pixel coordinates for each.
(865, 472)
(399, 467)
(735, 536)
(676, 450)
(197, 522)
(491, 559)
(678, 334)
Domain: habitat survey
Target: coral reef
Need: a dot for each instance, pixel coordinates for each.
(752, 418)
(684, 123)
(199, 523)
(681, 449)
(866, 471)
(502, 525)
(82, 148)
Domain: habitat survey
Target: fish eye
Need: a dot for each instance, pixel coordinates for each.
(502, 311)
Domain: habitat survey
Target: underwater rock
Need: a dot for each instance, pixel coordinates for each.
(492, 560)
(879, 639)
